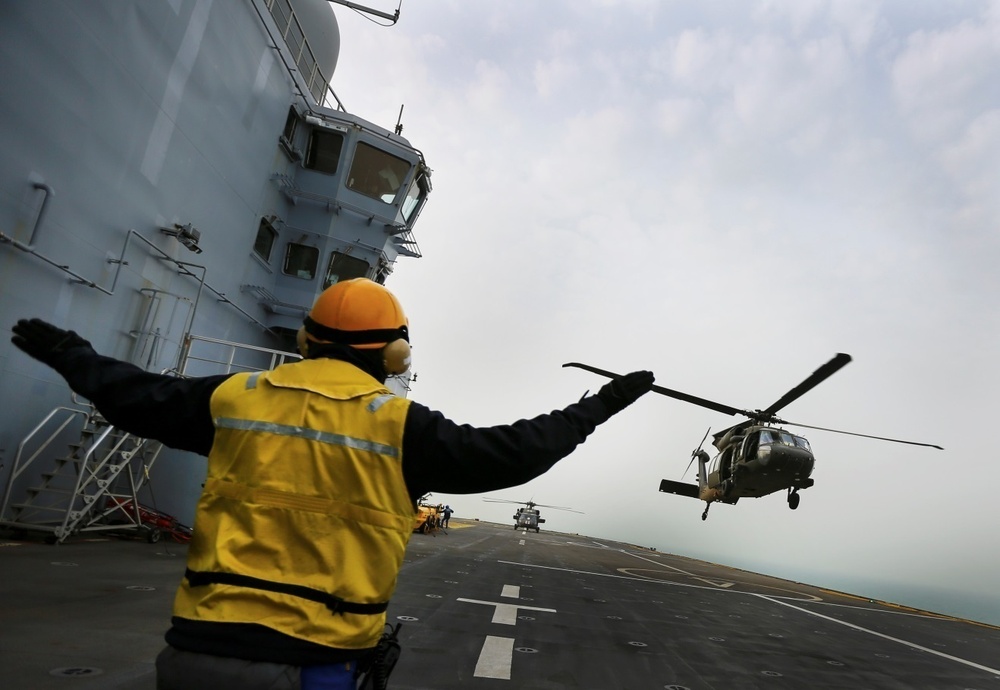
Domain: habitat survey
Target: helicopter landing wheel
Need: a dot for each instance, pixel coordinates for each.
(793, 499)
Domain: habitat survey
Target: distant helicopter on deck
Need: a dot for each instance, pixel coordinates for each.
(528, 517)
(755, 457)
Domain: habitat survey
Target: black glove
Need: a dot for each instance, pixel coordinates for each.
(43, 341)
(621, 392)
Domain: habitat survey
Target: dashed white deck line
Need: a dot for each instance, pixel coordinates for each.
(511, 591)
(495, 658)
(911, 645)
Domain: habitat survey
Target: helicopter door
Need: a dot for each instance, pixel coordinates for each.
(724, 466)
(750, 444)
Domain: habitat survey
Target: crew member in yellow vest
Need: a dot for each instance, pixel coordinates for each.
(314, 470)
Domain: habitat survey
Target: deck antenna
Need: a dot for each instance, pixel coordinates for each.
(361, 9)
(399, 120)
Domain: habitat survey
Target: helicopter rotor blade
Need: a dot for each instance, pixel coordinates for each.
(707, 431)
(542, 505)
(853, 433)
(685, 397)
(813, 380)
(690, 462)
(694, 453)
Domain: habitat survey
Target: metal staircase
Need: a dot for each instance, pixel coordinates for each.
(92, 487)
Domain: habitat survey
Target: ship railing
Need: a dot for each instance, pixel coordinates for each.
(222, 356)
(81, 483)
(301, 53)
(62, 417)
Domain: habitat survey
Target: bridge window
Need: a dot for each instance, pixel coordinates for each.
(344, 267)
(266, 235)
(376, 173)
(324, 149)
(301, 260)
(415, 195)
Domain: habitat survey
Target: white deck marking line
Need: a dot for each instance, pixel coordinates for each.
(668, 583)
(714, 583)
(511, 591)
(495, 658)
(813, 600)
(521, 542)
(911, 645)
(505, 614)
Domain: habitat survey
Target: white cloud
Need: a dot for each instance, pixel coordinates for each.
(675, 116)
(491, 86)
(973, 162)
(552, 76)
(945, 77)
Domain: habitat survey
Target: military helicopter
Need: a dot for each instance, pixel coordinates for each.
(528, 517)
(756, 457)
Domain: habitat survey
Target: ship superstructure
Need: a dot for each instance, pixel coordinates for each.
(178, 182)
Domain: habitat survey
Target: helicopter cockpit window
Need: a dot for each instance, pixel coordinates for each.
(766, 437)
(376, 173)
(802, 443)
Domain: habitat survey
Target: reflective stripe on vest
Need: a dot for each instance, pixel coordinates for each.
(309, 434)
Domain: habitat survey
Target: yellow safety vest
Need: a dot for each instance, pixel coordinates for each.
(305, 516)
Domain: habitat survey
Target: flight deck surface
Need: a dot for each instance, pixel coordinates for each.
(486, 606)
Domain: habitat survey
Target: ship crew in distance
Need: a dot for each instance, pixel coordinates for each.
(314, 470)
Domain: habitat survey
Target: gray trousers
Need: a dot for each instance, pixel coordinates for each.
(177, 669)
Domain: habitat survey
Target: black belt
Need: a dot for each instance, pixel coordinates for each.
(335, 604)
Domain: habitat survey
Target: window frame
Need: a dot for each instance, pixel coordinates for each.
(334, 255)
(316, 134)
(369, 176)
(288, 255)
(265, 224)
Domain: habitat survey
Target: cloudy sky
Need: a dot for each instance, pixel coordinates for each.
(728, 194)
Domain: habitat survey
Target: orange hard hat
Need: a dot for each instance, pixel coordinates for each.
(365, 315)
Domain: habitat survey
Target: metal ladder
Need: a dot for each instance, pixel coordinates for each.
(93, 487)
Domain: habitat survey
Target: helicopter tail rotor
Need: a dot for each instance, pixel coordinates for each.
(695, 452)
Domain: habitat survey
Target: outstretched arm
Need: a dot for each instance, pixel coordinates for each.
(442, 456)
(172, 410)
